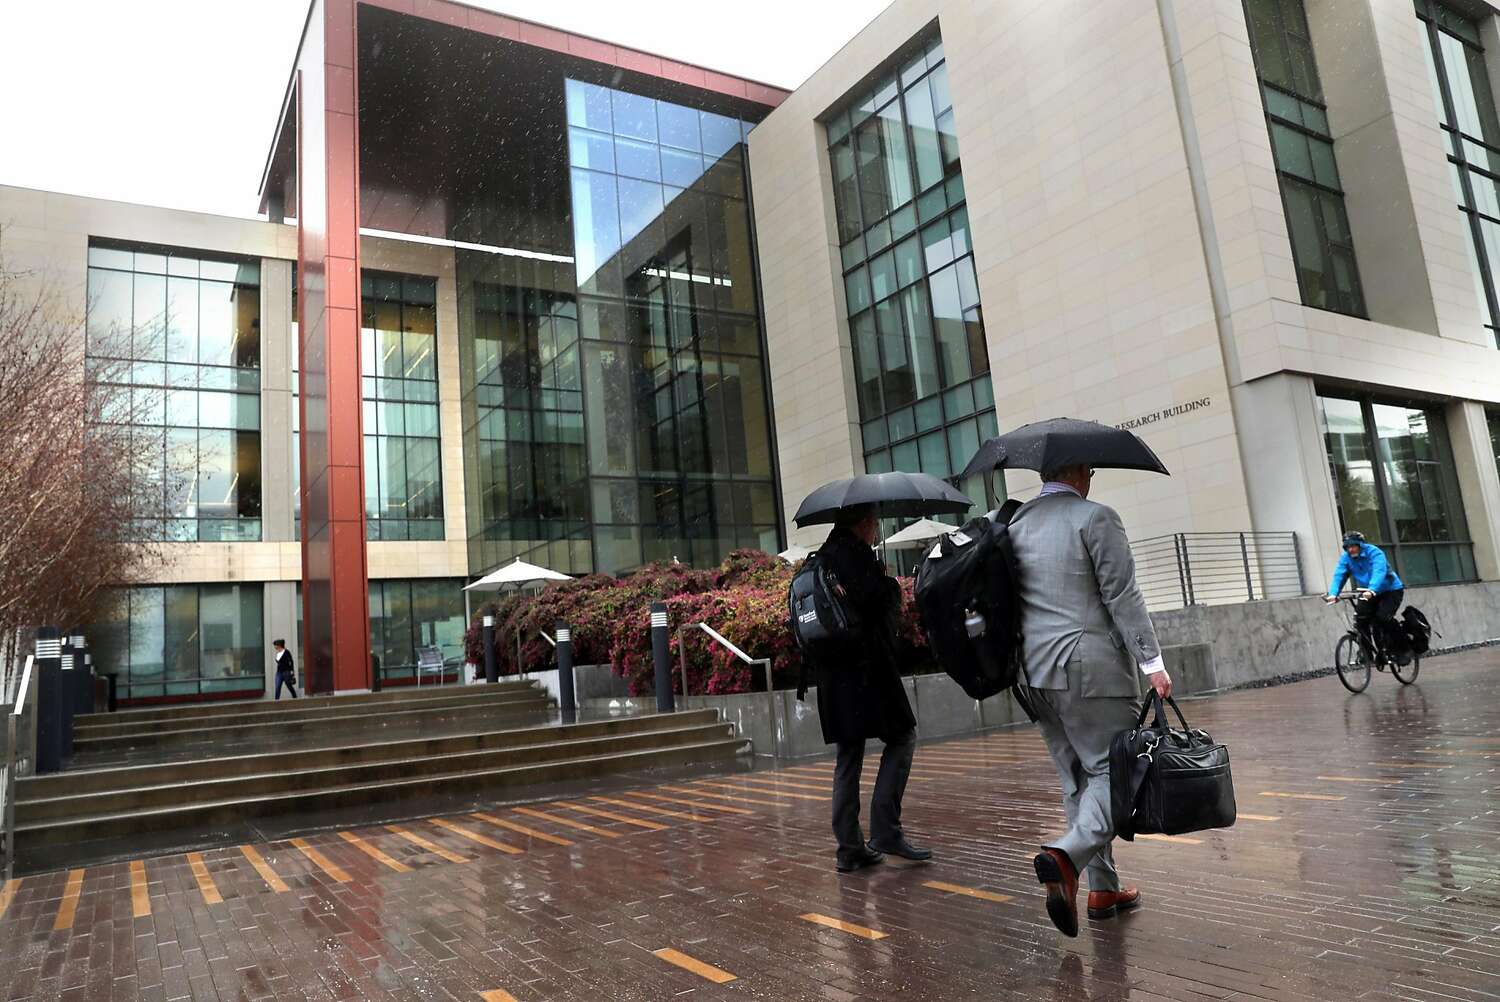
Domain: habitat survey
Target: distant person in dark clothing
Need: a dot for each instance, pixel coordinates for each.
(286, 669)
(860, 696)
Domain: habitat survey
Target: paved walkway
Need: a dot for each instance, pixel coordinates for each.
(1365, 865)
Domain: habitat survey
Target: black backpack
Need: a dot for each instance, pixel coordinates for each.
(1417, 629)
(970, 607)
(821, 619)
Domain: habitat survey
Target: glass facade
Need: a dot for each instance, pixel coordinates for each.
(1394, 480)
(398, 359)
(1311, 193)
(182, 329)
(406, 615)
(183, 640)
(1471, 132)
(615, 406)
(920, 357)
(1493, 416)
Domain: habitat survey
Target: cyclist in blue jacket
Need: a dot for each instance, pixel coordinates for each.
(1381, 592)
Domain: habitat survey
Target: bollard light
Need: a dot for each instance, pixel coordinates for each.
(661, 640)
(566, 697)
(487, 641)
(49, 749)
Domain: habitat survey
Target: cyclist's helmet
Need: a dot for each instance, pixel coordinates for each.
(1354, 539)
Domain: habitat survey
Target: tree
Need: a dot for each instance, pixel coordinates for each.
(73, 474)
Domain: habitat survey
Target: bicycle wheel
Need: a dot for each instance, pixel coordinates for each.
(1408, 674)
(1352, 664)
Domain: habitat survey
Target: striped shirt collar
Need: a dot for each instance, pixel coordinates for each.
(1054, 487)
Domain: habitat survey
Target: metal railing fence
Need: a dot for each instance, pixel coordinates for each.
(778, 725)
(1217, 568)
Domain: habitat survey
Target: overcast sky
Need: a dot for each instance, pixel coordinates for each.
(172, 102)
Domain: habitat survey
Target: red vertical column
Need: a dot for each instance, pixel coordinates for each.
(335, 595)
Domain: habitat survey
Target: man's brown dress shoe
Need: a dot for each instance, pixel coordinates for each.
(1108, 904)
(1055, 870)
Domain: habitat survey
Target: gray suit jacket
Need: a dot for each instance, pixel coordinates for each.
(1079, 600)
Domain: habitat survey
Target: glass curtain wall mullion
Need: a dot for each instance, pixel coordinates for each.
(1440, 23)
(915, 321)
(1312, 196)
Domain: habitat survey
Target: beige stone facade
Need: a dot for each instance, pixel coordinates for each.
(1133, 257)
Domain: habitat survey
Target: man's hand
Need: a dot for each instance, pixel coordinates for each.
(1330, 599)
(1161, 682)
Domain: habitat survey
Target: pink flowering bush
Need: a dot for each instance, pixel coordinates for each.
(744, 599)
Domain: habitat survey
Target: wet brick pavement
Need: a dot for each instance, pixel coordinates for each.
(1366, 865)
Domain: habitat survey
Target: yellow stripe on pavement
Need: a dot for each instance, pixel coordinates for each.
(8, 894)
(1179, 839)
(498, 995)
(266, 873)
(522, 829)
(328, 866)
(1258, 817)
(140, 898)
(972, 892)
(475, 837)
(206, 886)
(832, 923)
(663, 811)
(697, 967)
(762, 790)
(1375, 781)
(780, 782)
(374, 852)
(691, 803)
(721, 796)
(1300, 796)
(423, 843)
(69, 907)
(569, 822)
(651, 826)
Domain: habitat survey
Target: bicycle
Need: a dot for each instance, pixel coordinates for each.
(1355, 654)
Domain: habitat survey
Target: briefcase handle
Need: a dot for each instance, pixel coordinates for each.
(1161, 713)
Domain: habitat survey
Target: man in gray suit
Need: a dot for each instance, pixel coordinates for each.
(1085, 637)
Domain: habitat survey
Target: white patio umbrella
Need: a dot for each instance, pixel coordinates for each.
(795, 553)
(518, 574)
(917, 535)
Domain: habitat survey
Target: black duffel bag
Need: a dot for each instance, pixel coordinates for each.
(1168, 781)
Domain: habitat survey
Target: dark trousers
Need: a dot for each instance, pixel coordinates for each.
(1376, 619)
(885, 805)
(286, 678)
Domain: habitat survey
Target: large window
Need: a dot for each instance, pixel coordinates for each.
(398, 359)
(182, 329)
(183, 641)
(920, 357)
(1493, 416)
(406, 615)
(1394, 480)
(1466, 109)
(1303, 148)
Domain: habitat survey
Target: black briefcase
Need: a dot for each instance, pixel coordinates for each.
(1168, 781)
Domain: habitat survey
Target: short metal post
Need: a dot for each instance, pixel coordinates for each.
(83, 691)
(661, 652)
(566, 698)
(1297, 556)
(114, 702)
(487, 638)
(682, 659)
(1245, 556)
(67, 682)
(1181, 570)
(49, 747)
(1187, 569)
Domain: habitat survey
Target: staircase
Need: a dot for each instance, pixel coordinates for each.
(206, 774)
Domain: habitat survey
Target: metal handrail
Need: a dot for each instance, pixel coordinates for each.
(19, 729)
(778, 726)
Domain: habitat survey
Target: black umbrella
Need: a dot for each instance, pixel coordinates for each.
(895, 494)
(1061, 442)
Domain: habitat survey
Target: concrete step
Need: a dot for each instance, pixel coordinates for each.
(498, 775)
(252, 706)
(330, 755)
(292, 777)
(322, 729)
(117, 724)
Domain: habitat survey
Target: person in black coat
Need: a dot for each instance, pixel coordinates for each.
(860, 696)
